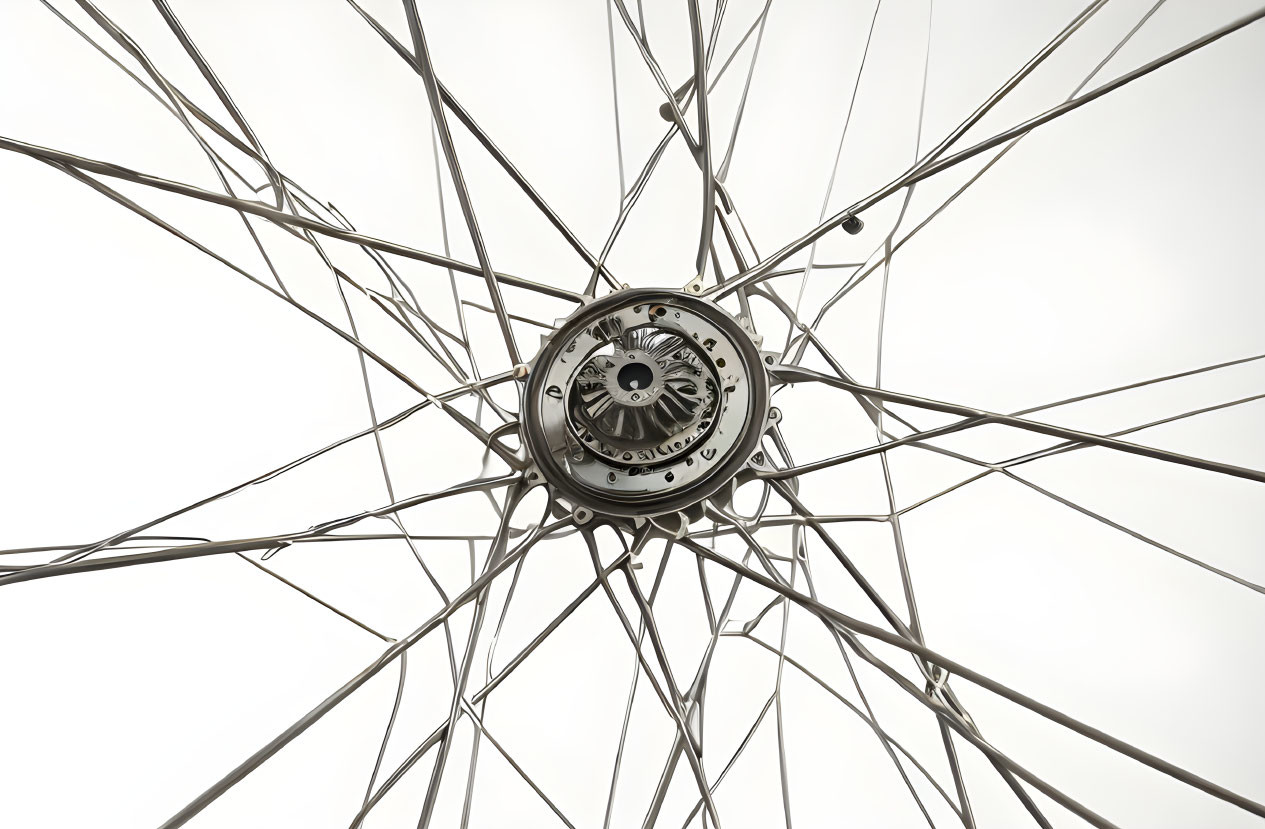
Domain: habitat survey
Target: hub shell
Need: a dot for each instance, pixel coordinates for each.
(688, 433)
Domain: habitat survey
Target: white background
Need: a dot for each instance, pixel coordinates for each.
(1117, 244)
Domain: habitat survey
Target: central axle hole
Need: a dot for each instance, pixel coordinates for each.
(635, 376)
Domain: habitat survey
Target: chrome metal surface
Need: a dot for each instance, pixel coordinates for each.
(638, 445)
(645, 402)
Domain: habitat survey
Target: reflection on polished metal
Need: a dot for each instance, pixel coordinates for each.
(645, 402)
(647, 390)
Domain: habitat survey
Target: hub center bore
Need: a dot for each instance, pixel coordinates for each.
(635, 376)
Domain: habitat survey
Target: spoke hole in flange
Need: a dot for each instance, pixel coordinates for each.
(635, 376)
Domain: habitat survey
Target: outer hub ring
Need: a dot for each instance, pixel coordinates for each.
(612, 485)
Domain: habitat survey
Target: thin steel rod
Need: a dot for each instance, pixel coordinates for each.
(242, 545)
(427, 71)
(270, 213)
(309, 594)
(857, 626)
(704, 138)
(528, 649)
(795, 374)
(761, 270)
(389, 655)
(462, 115)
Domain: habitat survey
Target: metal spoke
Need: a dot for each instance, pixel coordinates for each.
(858, 627)
(889, 248)
(758, 28)
(309, 594)
(270, 213)
(482, 137)
(704, 136)
(843, 137)
(440, 732)
(648, 420)
(867, 719)
(474, 717)
(671, 704)
(386, 734)
(389, 655)
(81, 564)
(931, 169)
(497, 553)
(632, 686)
(761, 270)
(458, 180)
(980, 417)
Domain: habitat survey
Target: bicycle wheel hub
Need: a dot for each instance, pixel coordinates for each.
(645, 402)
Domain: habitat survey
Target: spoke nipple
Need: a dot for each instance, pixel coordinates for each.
(521, 370)
(852, 225)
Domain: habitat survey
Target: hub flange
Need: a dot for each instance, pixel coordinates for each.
(644, 402)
